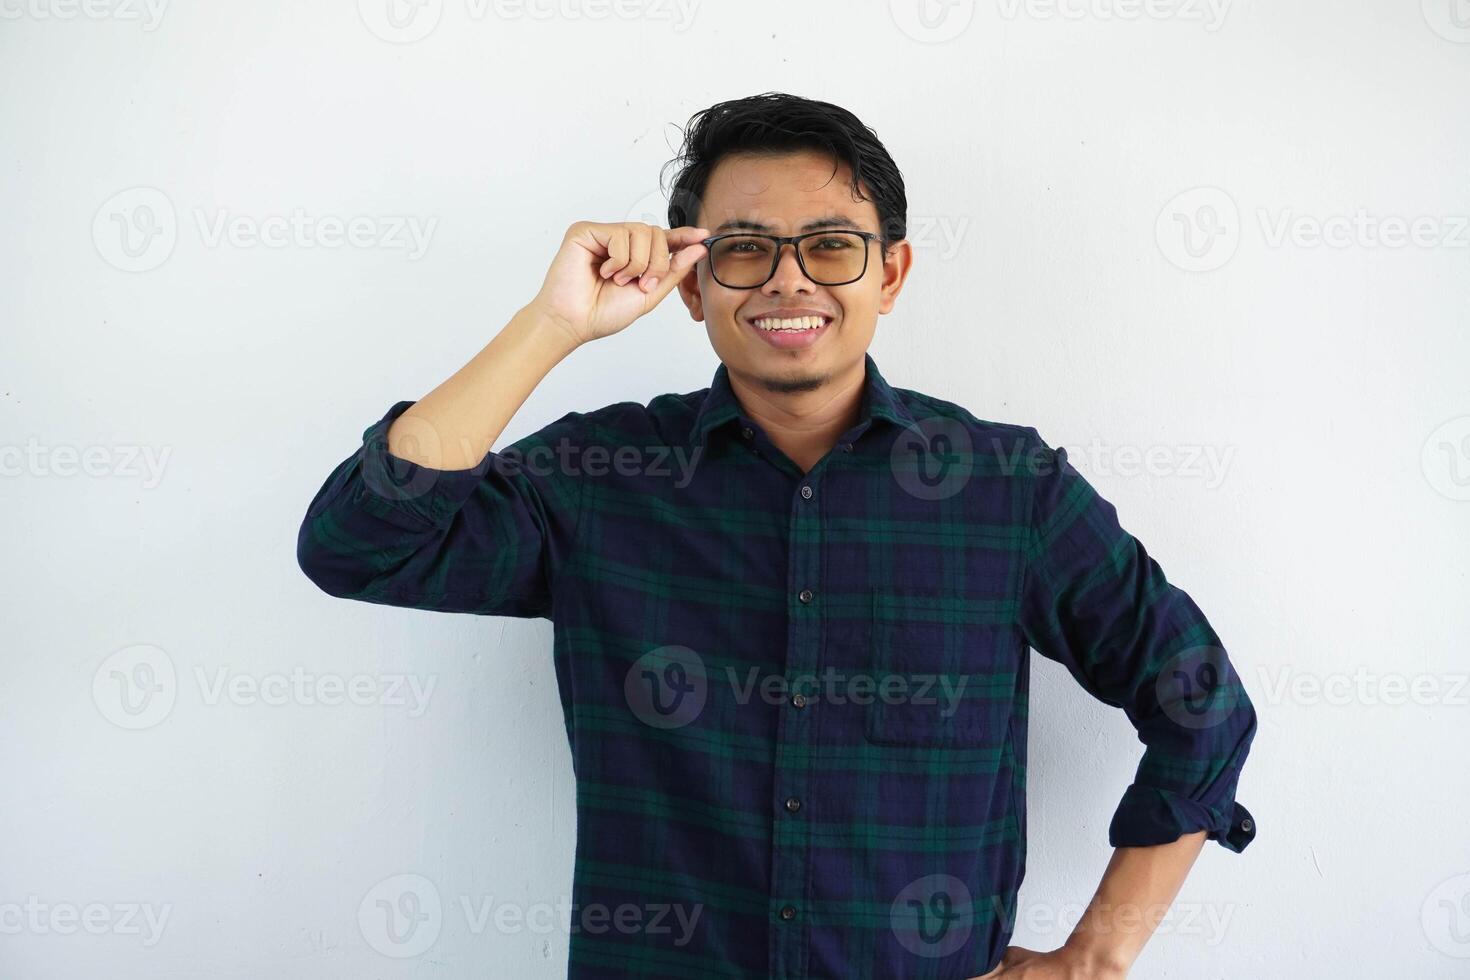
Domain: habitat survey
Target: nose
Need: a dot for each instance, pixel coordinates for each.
(788, 277)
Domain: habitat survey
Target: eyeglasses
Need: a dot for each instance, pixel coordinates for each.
(827, 258)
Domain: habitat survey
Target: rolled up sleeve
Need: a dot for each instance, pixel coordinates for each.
(1094, 600)
(487, 540)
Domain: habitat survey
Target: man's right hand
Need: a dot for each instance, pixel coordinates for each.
(605, 276)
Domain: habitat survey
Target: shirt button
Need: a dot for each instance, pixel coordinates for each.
(793, 804)
(805, 595)
(799, 700)
(847, 447)
(1246, 825)
(746, 432)
(788, 912)
(806, 493)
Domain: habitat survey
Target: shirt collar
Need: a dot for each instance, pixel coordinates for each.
(720, 406)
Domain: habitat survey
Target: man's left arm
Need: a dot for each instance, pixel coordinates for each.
(1095, 601)
(1136, 893)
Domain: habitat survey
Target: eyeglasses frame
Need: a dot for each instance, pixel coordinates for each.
(792, 240)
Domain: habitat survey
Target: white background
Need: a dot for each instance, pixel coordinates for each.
(1045, 150)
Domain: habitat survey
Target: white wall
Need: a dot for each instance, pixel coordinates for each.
(1043, 150)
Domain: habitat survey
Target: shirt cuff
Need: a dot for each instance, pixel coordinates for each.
(400, 490)
(1148, 816)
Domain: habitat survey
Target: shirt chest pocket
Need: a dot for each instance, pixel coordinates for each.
(937, 678)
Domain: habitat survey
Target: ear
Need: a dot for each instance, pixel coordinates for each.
(896, 267)
(689, 292)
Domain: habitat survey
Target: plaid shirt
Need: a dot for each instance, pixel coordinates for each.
(796, 702)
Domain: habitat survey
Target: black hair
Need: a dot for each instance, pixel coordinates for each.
(773, 123)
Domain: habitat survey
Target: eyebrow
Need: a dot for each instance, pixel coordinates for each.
(816, 224)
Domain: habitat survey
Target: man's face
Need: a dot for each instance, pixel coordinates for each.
(783, 195)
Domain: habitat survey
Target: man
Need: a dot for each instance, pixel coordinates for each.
(792, 611)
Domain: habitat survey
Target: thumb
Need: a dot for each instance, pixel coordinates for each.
(683, 260)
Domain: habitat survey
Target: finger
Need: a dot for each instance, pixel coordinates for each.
(658, 261)
(678, 238)
(663, 254)
(593, 236)
(617, 251)
(640, 246)
(683, 261)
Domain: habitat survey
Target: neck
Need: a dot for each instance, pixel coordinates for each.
(803, 416)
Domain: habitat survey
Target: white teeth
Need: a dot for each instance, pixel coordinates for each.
(794, 323)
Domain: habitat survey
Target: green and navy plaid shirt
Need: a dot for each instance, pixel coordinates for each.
(796, 702)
